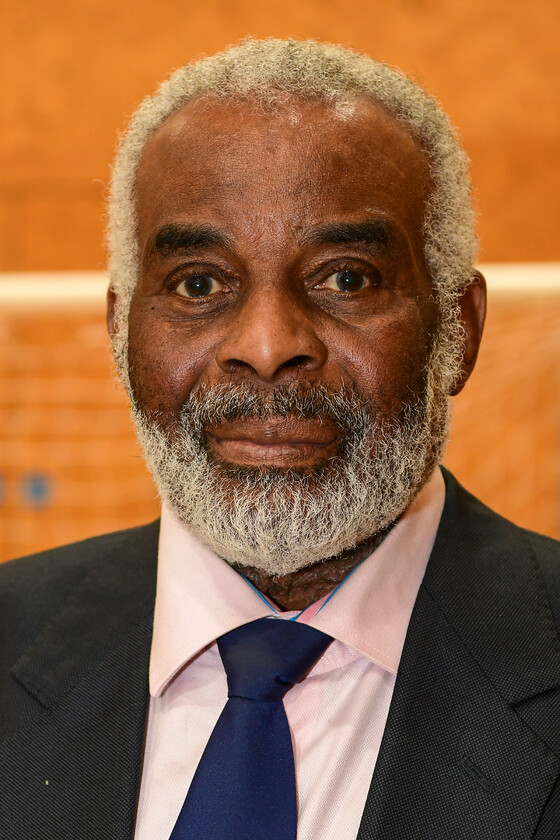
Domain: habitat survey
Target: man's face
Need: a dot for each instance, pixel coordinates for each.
(281, 258)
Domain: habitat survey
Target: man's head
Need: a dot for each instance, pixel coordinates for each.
(292, 295)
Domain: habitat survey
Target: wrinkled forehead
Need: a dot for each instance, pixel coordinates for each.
(301, 157)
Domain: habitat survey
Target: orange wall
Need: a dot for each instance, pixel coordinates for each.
(71, 71)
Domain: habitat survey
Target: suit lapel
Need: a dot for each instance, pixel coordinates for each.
(72, 770)
(458, 760)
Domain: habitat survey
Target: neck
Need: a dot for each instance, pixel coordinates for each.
(302, 588)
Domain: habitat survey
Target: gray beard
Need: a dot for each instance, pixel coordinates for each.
(281, 520)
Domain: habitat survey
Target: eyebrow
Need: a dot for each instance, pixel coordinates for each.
(175, 237)
(369, 232)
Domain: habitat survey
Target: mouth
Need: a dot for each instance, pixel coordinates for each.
(283, 442)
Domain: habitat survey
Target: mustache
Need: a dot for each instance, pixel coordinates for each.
(214, 405)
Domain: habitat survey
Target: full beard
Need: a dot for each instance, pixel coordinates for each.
(280, 520)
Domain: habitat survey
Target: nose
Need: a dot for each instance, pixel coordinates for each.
(271, 337)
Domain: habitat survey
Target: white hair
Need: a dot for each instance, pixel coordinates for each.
(271, 72)
(281, 520)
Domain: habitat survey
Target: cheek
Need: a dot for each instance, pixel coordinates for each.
(386, 362)
(164, 364)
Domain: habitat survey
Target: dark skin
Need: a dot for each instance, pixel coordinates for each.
(275, 249)
(304, 587)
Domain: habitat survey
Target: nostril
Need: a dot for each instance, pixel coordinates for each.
(239, 366)
(296, 362)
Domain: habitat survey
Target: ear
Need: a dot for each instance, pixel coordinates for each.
(473, 314)
(111, 312)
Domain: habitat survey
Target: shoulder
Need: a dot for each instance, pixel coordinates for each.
(32, 588)
(494, 542)
(547, 555)
(69, 563)
(463, 513)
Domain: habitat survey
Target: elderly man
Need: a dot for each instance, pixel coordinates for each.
(342, 643)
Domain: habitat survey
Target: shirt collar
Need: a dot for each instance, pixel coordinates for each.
(199, 597)
(371, 610)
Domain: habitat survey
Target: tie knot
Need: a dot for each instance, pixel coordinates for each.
(265, 658)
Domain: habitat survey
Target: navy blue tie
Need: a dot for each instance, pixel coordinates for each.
(244, 787)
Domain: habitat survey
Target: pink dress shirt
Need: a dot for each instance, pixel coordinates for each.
(337, 714)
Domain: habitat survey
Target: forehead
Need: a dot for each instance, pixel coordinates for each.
(234, 164)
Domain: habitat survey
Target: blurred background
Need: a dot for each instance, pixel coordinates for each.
(71, 74)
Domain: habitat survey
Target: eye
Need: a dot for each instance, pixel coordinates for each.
(199, 286)
(346, 281)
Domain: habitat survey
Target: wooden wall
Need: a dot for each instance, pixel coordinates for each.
(73, 70)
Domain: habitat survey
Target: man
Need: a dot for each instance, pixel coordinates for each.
(292, 302)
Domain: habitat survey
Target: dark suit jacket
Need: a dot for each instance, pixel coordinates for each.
(472, 743)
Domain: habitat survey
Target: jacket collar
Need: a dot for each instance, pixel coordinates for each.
(115, 593)
(481, 650)
(72, 760)
(485, 579)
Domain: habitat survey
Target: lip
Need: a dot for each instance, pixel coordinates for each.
(282, 442)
